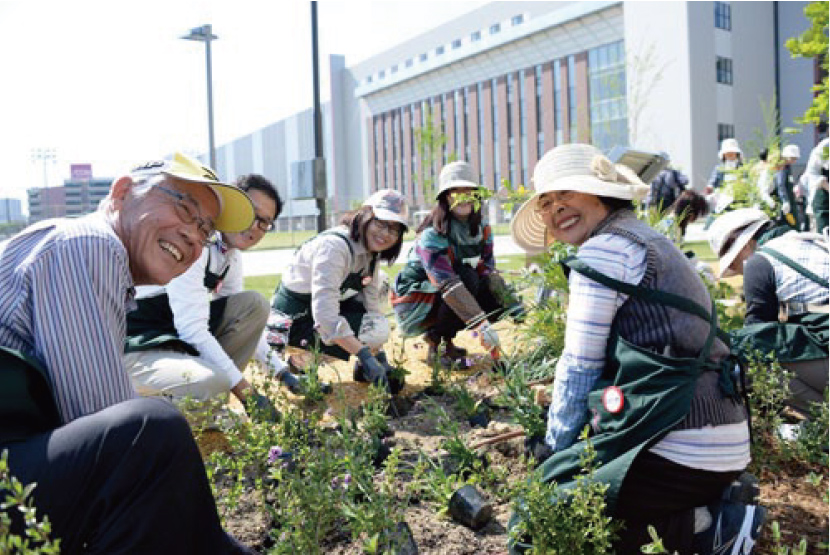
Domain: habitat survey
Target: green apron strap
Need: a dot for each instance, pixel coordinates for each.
(795, 266)
(652, 295)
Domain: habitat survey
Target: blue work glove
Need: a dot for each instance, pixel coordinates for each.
(372, 368)
(261, 409)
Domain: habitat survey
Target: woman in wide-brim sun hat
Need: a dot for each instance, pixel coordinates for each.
(654, 428)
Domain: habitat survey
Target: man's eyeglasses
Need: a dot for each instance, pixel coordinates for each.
(264, 224)
(188, 213)
(391, 228)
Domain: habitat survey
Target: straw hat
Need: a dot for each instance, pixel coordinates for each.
(456, 175)
(572, 167)
(389, 205)
(236, 212)
(729, 145)
(745, 222)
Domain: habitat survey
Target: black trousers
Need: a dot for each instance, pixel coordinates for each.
(127, 479)
(663, 494)
(444, 323)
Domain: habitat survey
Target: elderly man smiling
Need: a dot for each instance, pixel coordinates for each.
(114, 473)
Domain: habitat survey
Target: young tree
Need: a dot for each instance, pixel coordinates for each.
(813, 43)
(429, 144)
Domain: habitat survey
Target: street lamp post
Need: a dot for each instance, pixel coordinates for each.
(205, 34)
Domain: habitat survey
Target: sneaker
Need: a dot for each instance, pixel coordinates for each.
(734, 529)
(744, 489)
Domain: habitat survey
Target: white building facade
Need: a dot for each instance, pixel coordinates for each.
(507, 82)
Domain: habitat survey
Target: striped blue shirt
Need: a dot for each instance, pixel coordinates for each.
(65, 289)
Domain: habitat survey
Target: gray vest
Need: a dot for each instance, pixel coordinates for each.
(669, 331)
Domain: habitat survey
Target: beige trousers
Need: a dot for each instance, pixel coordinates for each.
(178, 376)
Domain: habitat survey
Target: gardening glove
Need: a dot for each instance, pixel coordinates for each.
(395, 384)
(488, 336)
(372, 369)
(462, 302)
(262, 409)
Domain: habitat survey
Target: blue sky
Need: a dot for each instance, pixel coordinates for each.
(110, 83)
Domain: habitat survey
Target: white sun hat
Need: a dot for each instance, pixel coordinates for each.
(456, 175)
(791, 151)
(729, 145)
(389, 205)
(744, 223)
(572, 167)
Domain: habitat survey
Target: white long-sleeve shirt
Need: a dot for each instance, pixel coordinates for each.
(319, 267)
(190, 303)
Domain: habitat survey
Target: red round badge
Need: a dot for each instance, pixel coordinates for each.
(612, 399)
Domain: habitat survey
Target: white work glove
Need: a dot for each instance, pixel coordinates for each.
(785, 208)
(488, 336)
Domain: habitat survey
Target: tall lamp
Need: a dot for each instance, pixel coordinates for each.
(205, 34)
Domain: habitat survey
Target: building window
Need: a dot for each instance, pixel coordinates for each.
(381, 74)
(523, 128)
(369, 79)
(517, 19)
(494, 94)
(439, 50)
(572, 98)
(475, 36)
(724, 70)
(725, 131)
(394, 69)
(495, 28)
(606, 96)
(423, 57)
(723, 16)
(539, 131)
(557, 103)
(456, 44)
(408, 63)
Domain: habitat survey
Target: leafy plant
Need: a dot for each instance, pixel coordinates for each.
(466, 460)
(520, 400)
(556, 520)
(36, 533)
(465, 401)
(779, 549)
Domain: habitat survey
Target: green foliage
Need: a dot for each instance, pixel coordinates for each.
(730, 312)
(464, 400)
(430, 142)
(556, 520)
(779, 549)
(656, 544)
(465, 460)
(813, 43)
(475, 196)
(35, 538)
(511, 195)
(516, 394)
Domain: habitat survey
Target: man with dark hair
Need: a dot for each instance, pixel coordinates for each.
(193, 338)
(667, 188)
(114, 473)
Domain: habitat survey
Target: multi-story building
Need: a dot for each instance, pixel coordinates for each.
(505, 83)
(11, 211)
(76, 198)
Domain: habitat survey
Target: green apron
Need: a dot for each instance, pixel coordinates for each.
(151, 326)
(655, 391)
(801, 338)
(27, 406)
(297, 306)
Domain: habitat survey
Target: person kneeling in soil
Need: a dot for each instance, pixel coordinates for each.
(785, 275)
(330, 290)
(450, 280)
(114, 473)
(192, 338)
(641, 363)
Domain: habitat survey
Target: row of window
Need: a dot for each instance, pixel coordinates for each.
(723, 69)
(607, 118)
(475, 36)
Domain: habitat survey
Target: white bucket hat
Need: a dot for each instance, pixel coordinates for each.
(389, 205)
(455, 175)
(791, 151)
(572, 167)
(729, 145)
(745, 222)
